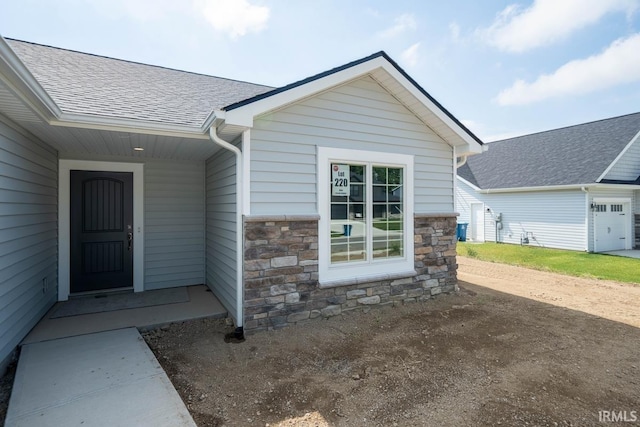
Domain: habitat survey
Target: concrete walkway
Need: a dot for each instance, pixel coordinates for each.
(201, 304)
(101, 379)
(631, 253)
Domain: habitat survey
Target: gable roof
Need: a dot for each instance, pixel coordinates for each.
(73, 89)
(335, 70)
(381, 68)
(81, 83)
(572, 155)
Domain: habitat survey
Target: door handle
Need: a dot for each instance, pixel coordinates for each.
(130, 239)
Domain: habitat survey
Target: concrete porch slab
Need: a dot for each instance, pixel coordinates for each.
(103, 379)
(201, 304)
(630, 253)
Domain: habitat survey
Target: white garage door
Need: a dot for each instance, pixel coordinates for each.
(611, 224)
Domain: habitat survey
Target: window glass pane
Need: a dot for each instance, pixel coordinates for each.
(395, 176)
(351, 231)
(388, 214)
(348, 213)
(379, 175)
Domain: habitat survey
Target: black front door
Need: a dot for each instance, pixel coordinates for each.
(101, 230)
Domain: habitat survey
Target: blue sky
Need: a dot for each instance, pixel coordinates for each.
(504, 68)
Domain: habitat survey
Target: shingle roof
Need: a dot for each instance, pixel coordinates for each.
(89, 84)
(571, 155)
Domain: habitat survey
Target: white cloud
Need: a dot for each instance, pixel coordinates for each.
(454, 29)
(546, 21)
(411, 55)
(404, 22)
(234, 17)
(616, 65)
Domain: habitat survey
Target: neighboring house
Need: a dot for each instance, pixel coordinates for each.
(117, 174)
(572, 188)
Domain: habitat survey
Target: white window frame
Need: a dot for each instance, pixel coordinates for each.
(378, 269)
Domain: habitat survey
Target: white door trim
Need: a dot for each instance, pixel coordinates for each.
(626, 202)
(64, 226)
(473, 221)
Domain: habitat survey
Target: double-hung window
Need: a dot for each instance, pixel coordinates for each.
(366, 215)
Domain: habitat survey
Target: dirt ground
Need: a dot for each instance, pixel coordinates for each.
(514, 347)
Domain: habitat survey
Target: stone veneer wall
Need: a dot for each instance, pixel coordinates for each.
(281, 271)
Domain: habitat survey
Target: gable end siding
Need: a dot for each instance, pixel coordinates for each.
(360, 115)
(627, 168)
(28, 234)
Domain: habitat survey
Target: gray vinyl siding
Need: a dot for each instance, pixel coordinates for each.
(174, 220)
(28, 233)
(465, 196)
(360, 115)
(174, 223)
(556, 218)
(221, 228)
(627, 168)
(606, 194)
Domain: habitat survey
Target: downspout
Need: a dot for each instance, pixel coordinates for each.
(238, 334)
(587, 210)
(462, 161)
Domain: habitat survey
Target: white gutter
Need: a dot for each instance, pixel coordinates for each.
(117, 124)
(540, 188)
(463, 160)
(213, 135)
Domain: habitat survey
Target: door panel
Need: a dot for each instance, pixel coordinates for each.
(101, 230)
(610, 227)
(477, 222)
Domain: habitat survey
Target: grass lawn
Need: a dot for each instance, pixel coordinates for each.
(574, 263)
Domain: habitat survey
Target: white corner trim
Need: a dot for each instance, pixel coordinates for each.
(64, 218)
(246, 172)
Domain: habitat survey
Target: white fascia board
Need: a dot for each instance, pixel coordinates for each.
(472, 146)
(559, 187)
(127, 125)
(468, 183)
(608, 169)
(616, 186)
(18, 77)
(539, 188)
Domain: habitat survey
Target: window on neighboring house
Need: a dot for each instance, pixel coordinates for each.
(366, 203)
